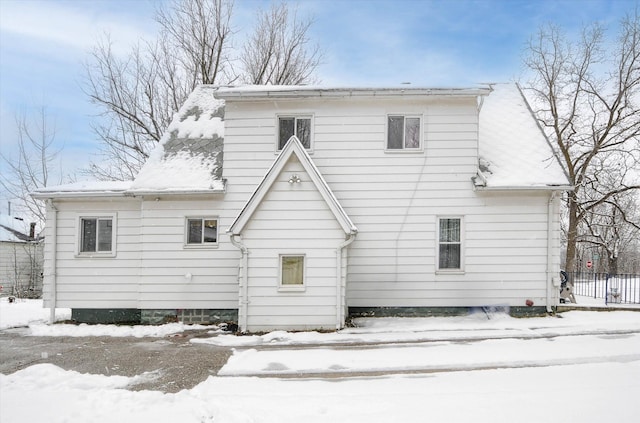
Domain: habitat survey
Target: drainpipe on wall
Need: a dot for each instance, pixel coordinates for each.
(54, 265)
(339, 279)
(550, 276)
(243, 280)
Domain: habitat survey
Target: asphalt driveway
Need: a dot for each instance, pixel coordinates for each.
(168, 364)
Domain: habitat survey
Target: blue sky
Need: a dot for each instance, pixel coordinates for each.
(43, 45)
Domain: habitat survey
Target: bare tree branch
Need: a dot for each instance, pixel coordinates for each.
(592, 117)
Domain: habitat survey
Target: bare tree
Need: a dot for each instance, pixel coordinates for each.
(278, 50)
(609, 227)
(139, 94)
(587, 96)
(31, 167)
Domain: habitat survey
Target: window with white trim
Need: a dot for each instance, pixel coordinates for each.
(292, 271)
(97, 235)
(300, 126)
(202, 231)
(449, 243)
(403, 132)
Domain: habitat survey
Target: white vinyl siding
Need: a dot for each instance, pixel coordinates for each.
(152, 269)
(292, 220)
(396, 199)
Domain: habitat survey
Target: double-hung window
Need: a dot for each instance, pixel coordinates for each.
(449, 243)
(202, 231)
(96, 235)
(300, 126)
(403, 132)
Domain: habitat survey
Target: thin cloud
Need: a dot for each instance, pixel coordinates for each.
(42, 24)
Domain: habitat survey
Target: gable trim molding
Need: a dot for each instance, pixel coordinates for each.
(293, 146)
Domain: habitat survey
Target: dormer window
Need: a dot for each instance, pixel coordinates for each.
(403, 132)
(300, 126)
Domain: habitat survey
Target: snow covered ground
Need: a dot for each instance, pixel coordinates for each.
(582, 367)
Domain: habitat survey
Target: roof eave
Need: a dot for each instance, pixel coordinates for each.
(240, 94)
(76, 194)
(142, 193)
(524, 188)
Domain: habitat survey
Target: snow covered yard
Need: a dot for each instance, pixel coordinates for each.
(582, 367)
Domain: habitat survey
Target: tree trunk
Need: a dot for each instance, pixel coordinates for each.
(572, 233)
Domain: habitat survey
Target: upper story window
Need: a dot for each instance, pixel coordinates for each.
(449, 243)
(300, 126)
(403, 132)
(96, 235)
(202, 231)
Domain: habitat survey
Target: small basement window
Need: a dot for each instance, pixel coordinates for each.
(300, 126)
(403, 132)
(202, 231)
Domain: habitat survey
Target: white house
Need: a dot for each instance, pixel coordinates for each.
(21, 257)
(295, 207)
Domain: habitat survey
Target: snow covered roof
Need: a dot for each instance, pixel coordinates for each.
(189, 155)
(187, 160)
(83, 189)
(514, 153)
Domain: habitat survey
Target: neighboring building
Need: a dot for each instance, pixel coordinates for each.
(294, 207)
(21, 257)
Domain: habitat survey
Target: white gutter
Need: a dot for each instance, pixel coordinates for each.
(243, 281)
(54, 242)
(339, 279)
(280, 92)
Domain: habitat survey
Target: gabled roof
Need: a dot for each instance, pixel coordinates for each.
(293, 147)
(513, 152)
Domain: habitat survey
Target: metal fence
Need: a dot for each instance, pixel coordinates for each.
(614, 289)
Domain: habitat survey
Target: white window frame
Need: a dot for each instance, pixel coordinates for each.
(295, 116)
(292, 288)
(461, 242)
(201, 244)
(420, 134)
(79, 234)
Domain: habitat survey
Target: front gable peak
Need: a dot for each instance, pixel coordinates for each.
(293, 147)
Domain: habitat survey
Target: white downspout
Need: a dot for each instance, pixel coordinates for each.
(339, 279)
(54, 265)
(550, 276)
(243, 310)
